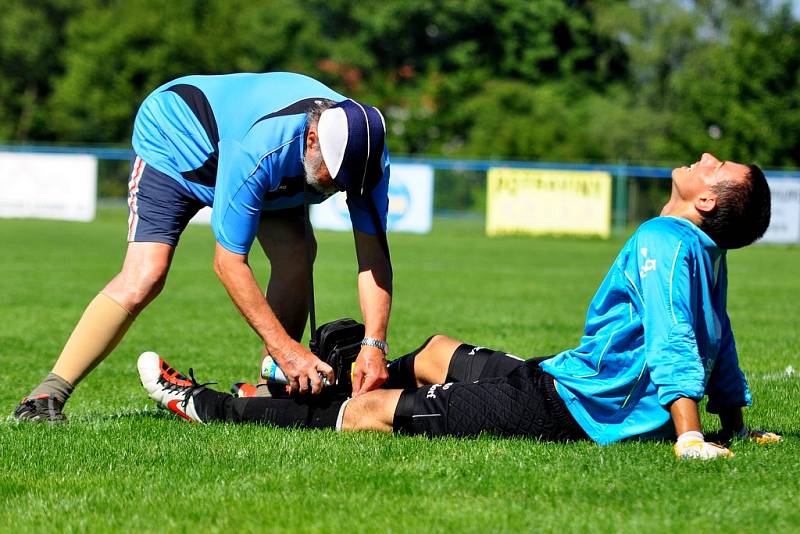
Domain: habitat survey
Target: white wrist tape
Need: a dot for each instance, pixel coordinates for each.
(691, 435)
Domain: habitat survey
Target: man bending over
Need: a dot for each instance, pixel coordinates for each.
(657, 340)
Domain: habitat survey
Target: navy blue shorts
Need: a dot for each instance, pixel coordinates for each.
(159, 207)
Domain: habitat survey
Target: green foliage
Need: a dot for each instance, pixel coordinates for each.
(642, 81)
(31, 37)
(749, 88)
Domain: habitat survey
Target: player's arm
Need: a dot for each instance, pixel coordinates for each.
(299, 364)
(733, 426)
(728, 391)
(375, 298)
(731, 420)
(663, 268)
(691, 443)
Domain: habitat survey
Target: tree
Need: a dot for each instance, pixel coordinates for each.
(31, 39)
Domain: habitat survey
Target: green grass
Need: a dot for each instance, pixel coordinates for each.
(120, 464)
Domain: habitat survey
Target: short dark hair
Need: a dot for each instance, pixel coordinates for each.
(742, 211)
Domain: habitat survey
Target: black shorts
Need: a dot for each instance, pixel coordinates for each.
(492, 392)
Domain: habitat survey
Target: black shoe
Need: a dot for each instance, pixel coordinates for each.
(39, 408)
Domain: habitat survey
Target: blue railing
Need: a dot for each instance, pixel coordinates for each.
(619, 169)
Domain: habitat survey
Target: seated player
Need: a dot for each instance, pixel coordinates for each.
(657, 340)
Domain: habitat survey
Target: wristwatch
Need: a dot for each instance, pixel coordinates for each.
(372, 342)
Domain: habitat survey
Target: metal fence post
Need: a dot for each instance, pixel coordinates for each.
(620, 195)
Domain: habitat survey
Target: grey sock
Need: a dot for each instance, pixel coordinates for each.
(270, 390)
(54, 385)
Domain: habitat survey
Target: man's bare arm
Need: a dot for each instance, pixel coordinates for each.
(297, 362)
(375, 297)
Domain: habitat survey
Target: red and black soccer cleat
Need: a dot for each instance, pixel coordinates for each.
(169, 388)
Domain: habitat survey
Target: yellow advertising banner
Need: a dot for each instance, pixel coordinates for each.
(545, 201)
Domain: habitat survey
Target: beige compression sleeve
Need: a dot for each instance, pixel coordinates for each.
(100, 329)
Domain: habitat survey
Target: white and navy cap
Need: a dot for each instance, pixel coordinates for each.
(351, 138)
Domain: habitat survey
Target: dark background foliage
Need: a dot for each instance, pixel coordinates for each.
(562, 80)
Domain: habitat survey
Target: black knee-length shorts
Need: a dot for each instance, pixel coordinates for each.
(489, 391)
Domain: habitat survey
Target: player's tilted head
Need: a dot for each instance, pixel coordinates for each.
(729, 201)
(741, 214)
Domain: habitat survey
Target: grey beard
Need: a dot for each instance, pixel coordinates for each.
(311, 166)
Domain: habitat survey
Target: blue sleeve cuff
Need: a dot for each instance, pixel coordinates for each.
(675, 367)
(231, 247)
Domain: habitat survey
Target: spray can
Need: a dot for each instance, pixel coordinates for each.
(273, 374)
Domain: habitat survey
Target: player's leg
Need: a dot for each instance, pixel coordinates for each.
(523, 403)
(372, 411)
(427, 364)
(201, 404)
(444, 359)
(160, 210)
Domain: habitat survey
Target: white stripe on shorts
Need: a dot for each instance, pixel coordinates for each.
(133, 199)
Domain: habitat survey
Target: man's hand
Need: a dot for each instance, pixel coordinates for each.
(375, 297)
(692, 445)
(301, 367)
(370, 371)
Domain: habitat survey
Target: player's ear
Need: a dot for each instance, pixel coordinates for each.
(706, 201)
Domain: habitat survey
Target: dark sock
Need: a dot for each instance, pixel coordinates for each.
(401, 370)
(54, 385)
(306, 411)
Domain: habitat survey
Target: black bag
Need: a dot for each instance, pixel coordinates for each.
(337, 343)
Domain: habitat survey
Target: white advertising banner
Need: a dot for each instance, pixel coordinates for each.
(784, 226)
(48, 186)
(410, 203)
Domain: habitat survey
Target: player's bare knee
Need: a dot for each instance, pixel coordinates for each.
(372, 411)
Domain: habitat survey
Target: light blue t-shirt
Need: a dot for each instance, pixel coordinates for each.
(236, 142)
(656, 330)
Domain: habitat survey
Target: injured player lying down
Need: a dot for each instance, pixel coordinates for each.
(657, 340)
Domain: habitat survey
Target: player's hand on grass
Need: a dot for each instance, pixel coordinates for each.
(370, 370)
(302, 368)
(692, 445)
